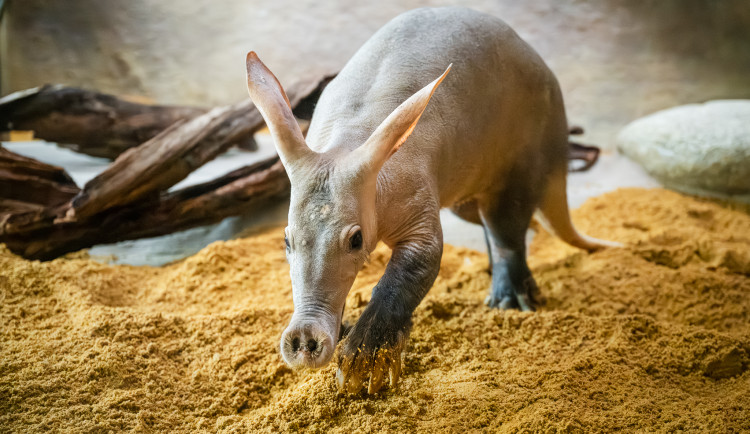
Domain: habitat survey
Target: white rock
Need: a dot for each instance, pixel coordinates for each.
(696, 148)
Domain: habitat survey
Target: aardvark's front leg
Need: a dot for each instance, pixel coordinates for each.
(372, 350)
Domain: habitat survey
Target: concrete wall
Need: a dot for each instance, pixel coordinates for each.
(616, 59)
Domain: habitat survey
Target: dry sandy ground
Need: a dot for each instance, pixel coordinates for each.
(653, 336)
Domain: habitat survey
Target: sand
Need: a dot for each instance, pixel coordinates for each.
(651, 337)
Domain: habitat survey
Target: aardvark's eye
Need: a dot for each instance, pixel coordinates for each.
(355, 241)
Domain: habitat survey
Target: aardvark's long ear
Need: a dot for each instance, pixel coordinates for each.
(394, 130)
(273, 104)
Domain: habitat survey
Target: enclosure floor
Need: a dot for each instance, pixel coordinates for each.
(652, 336)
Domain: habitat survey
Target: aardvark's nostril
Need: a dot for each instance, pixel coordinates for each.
(307, 344)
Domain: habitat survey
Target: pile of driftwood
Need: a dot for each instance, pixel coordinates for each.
(44, 214)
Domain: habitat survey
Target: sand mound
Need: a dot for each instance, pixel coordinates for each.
(652, 336)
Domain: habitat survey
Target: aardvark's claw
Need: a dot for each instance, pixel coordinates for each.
(359, 367)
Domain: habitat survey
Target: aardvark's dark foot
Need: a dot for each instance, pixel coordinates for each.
(370, 356)
(504, 295)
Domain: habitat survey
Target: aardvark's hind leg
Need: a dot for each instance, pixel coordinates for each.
(506, 219)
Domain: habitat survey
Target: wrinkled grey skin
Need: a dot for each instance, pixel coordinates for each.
(491, 145)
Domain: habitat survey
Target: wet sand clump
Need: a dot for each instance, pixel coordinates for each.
(653, 336)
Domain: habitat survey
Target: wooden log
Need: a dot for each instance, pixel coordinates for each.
(27, 184)
(243, 191)
(176, 152)
(588, 155)
(88, 122)
(103, 125)
(128, 200)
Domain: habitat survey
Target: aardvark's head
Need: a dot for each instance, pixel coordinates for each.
(332, 216)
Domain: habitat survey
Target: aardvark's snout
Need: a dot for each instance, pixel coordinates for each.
(307, 344)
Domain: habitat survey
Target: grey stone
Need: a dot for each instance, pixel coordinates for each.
(697, 148)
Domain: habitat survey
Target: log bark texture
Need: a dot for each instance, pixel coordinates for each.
(129, 200)
(173, 154)
(29, 185)
(244, 191)
(103, 125)
(91, 123)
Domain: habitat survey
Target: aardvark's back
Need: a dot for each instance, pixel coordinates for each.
(498, 99)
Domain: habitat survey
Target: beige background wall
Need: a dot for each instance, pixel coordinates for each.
(616, 59)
